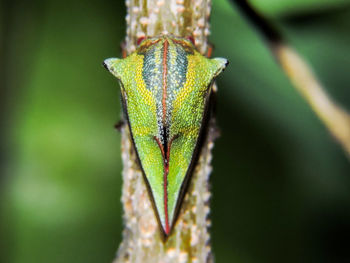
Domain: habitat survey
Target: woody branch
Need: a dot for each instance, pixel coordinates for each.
(334, 117)
(142, 240)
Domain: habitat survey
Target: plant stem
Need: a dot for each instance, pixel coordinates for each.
(336, 119)
(142, 238)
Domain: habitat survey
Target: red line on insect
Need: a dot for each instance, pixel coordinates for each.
(167, 227)
(166, 172)
(166, 158)
(165, 183)
(161, 147)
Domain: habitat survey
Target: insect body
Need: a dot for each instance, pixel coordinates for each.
(165, 87)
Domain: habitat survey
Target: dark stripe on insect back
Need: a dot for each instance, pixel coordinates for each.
(152, 74)
(177, 73)
(151, 71)
(165, 80)
(176, 76)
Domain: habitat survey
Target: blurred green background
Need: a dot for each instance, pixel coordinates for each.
(281, 185)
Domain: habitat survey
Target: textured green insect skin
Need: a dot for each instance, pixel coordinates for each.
(165, 86)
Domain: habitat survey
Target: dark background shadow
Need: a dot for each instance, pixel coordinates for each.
(280, 182)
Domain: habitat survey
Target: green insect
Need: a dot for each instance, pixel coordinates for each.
(166, 86)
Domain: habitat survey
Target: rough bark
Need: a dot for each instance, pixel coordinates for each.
(142, 239)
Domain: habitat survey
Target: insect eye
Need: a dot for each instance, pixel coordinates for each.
(139, 40)
(190, 38)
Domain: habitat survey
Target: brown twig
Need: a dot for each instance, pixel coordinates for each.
(336, 119)
(142, 238)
